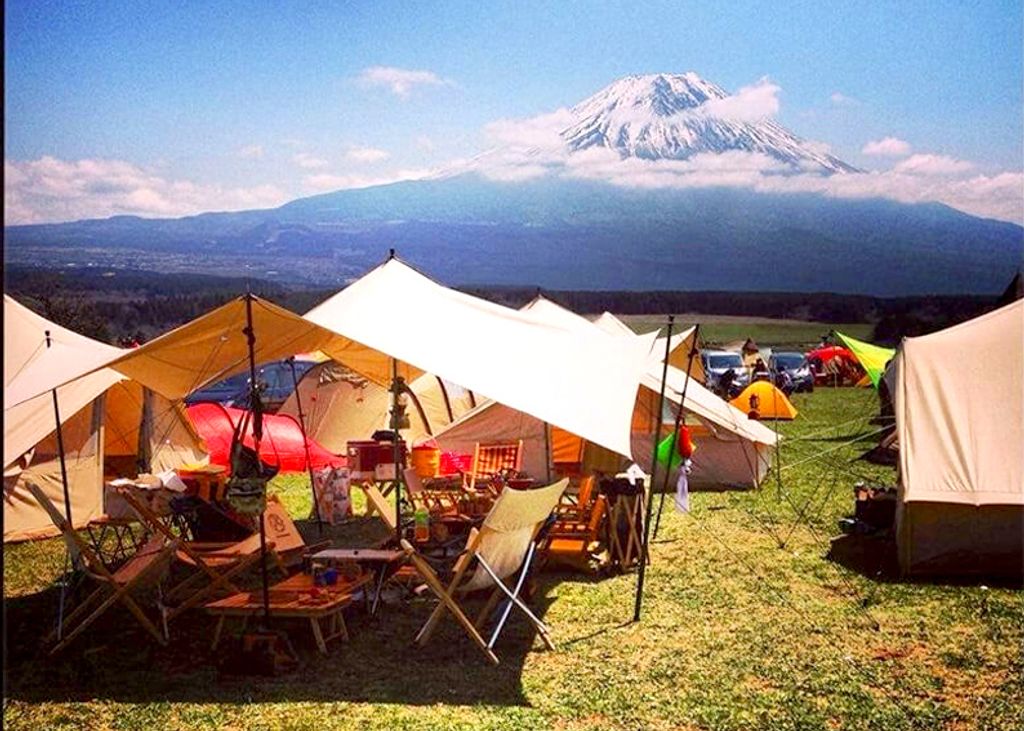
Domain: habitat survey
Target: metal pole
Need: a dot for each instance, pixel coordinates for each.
(60, 449)
(67, 503)
(305, 445)
(547, 450)
(396, 450)
(654, 472)
(675, 434)
(257, 434)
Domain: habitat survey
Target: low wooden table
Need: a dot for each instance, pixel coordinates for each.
(381, 560)
(291, 598)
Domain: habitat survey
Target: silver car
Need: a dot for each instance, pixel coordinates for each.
(717, 363)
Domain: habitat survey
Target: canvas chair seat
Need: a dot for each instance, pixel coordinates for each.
(502, 547)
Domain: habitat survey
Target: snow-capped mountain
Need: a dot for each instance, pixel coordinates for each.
(678, 116)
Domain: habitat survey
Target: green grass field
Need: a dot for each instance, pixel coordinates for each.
(718, 330)
(737, 633)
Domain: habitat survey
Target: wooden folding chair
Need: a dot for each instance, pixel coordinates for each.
(142, 571)
(491, 459)
(219, 565)
(502, 547)
(580, 509)
(435, 501)
(573, 537)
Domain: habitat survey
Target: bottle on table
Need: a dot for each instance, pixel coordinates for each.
(422, 530)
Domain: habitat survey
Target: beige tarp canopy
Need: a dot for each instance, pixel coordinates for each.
(959, 402)
(732, 450)
(584, 384)
(107, 422)
(397, 313)
(679, 350)
(340, 406)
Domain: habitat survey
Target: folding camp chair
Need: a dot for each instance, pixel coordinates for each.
(222, 563)
(142, 571)
(580, 509)
(503, 545)
(490, 460)
(435, 501)
(573, 536)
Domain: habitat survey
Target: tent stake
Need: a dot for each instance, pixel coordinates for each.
(675, 434)
(305, 445)
(654, 472)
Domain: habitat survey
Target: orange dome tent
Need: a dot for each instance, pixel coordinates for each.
(771, 402)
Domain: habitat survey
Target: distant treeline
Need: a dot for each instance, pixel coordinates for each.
(137, 305)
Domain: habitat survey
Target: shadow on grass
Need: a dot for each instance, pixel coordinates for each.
(116, 660)
(875, 558)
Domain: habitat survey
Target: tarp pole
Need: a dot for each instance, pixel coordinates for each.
(305, 445)
(547, 450)
(60, 450)
(396, 446)
(67, 499)
(654, 472)
(675, 434)
(257, 434)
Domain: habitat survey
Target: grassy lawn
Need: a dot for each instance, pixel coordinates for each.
(737, 633)
(718, 330)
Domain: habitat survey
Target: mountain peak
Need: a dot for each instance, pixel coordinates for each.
(661, 95)
(678, 116)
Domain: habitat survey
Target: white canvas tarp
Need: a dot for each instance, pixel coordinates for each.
(959, 401)
(582, 383)
(732, 450)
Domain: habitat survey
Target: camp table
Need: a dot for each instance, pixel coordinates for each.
(383, 561)
(291, 598)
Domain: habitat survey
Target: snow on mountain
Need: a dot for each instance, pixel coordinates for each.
(675, 117)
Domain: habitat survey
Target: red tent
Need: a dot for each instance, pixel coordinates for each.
(281, 445)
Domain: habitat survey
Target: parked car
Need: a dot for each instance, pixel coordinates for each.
(794, 365)
(717, 363)
(274, 380)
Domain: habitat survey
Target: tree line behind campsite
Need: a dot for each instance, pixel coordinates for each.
(119, 306)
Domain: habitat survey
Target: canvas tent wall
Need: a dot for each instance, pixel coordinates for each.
(731, 449)
(108, 423)
(340, 406)
(959, 401)
(679, 350)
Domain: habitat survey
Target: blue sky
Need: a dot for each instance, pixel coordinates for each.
(247, 102)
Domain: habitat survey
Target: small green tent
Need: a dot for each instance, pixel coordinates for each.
(873, 358)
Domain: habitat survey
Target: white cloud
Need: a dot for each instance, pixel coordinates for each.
(540, 131)
(749, 104)
(425, 143)
(400, 82)
(329, 181)
(887, 147)
(933, 165)
(50, 189)
(841, 100)
(308, 162)
(366, 154)
(251, 152)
